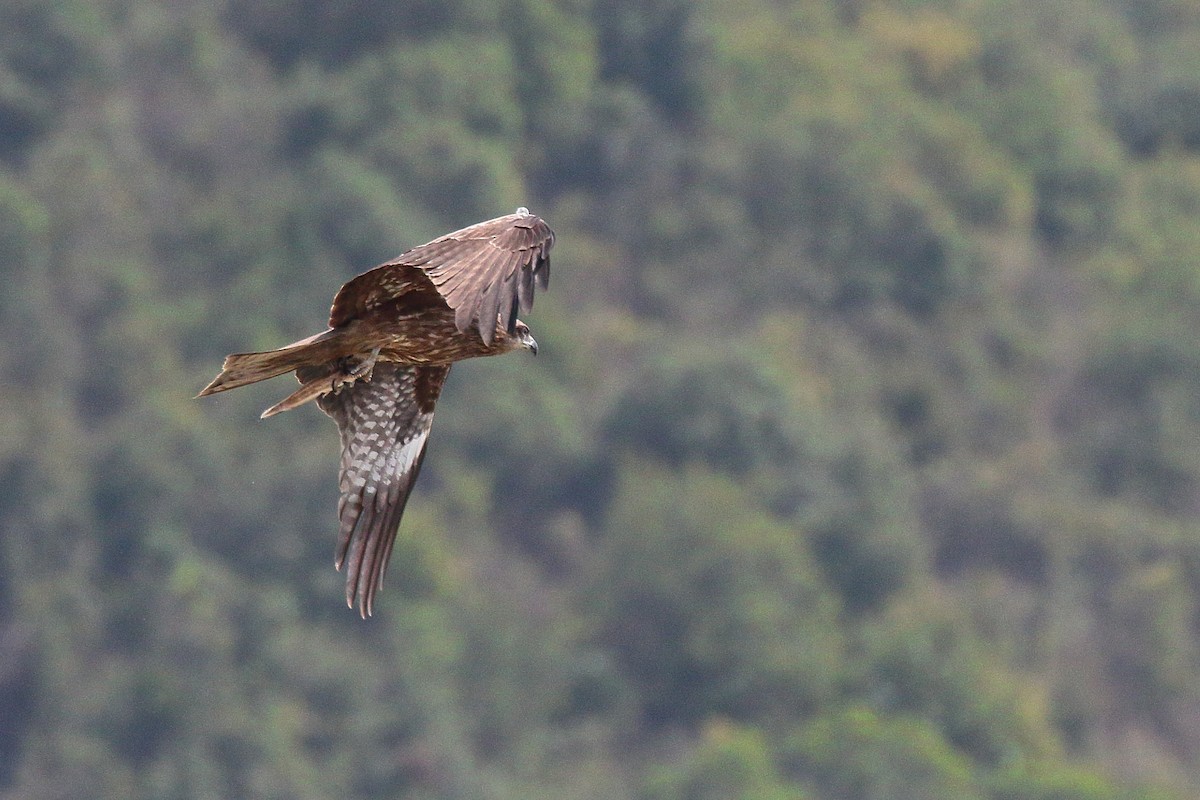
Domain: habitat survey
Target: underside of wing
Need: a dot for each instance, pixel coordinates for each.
(384, 424)
(486, 273)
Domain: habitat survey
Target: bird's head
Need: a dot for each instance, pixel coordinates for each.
(524, 338)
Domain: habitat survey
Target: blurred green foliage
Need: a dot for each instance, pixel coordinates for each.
(859, 462)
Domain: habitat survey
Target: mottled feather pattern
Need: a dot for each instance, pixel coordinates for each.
(379, 368)
(479, 270)
(384, 424)
(377, 287)
(429, 337)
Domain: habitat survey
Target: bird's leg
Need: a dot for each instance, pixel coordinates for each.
(363, 369)
(350, 373)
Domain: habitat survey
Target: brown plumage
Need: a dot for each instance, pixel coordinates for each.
(377, 371)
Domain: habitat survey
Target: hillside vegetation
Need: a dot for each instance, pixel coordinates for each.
(861, 460)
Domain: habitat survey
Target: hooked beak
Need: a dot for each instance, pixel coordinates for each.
(525, 338)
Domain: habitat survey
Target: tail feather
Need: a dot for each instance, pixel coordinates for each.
(310, 390)
(241, 369)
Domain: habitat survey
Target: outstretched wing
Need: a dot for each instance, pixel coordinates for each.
(384, 424)
(485, 273)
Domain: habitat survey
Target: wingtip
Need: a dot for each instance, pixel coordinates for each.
(363, 611)
(283, 405)
(364, 603)
(354, 593)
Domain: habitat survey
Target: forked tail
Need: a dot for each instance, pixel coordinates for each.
(241, 369)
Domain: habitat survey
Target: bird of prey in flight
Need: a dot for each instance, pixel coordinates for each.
(377, 371)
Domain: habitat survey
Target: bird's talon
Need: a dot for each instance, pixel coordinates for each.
(352, 373)
(362, 371)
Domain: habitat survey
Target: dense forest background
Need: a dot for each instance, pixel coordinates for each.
(861, 461)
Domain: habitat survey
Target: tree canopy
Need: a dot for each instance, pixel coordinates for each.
(860, 460)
